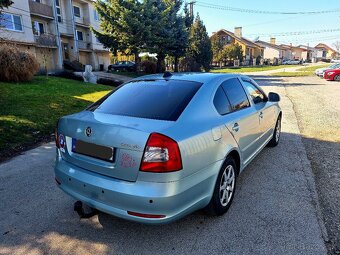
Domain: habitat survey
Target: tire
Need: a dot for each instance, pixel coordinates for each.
(337, 77)
(276, 135)
(224, 189)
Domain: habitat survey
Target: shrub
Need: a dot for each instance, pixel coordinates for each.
(16, 65)
(188, 64)
(148, 66)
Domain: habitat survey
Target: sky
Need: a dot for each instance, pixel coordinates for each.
(269, 25)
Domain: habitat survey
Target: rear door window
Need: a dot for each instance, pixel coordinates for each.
(221, 102)
(153, 99)
(236, 94)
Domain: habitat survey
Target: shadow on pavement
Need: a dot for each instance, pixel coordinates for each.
(281, 82)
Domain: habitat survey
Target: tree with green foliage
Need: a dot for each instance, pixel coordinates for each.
(122, 26)
(169, 36)
(132, 26)
(217, 47)
(188, 19)
(199, 50)
(179, 42)
(5, 4)
(224, 54)
(234, 51)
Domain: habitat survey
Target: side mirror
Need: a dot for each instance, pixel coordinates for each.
(273, 97)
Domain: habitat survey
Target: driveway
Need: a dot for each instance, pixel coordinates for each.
(275, 210)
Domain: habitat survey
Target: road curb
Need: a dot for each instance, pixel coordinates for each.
(307, 170)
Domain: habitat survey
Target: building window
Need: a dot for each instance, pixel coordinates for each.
(76, 11)
(10, 22)
(80, 36)
(38, 1)
(96, 15)
(38, 28)
(58, 8)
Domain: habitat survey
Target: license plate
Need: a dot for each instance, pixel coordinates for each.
(93, 150)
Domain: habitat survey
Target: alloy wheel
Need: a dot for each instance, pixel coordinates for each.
(227, 185)
(278, 131)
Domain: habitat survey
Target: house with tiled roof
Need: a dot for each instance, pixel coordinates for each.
(273, 51)
(312, 52)
(250, 49)
(296, 53)
(326, 52)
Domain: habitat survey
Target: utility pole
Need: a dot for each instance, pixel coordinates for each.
(191, 8)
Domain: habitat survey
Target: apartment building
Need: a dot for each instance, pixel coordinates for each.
(56, 31)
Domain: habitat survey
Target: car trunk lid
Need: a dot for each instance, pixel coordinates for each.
(124, 137)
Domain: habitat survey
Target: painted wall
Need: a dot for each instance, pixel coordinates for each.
(21, 8)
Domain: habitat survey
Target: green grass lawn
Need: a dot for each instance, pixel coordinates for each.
(292, 74)
(312, 68)
(303, 71)
(29, 111)
(247, 69)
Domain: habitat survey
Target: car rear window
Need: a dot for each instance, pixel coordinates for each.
(151, 99)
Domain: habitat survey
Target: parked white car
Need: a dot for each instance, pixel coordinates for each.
(335, 60)
(320, 71)
(291, 62)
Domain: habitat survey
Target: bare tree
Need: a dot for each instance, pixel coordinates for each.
(337, 47)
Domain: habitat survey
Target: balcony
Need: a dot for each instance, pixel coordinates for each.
(82, 21)
(42, 10)
(45, 40)
(82, 45)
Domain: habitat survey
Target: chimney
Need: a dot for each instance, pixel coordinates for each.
(238, 31)
(273, 40)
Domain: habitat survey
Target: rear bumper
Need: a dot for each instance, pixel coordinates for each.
(117, 197)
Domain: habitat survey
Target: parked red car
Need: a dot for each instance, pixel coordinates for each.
(332, 75)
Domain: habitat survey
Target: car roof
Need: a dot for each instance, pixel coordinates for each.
(196, 77)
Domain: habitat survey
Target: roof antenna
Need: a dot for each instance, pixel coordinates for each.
(167, 75)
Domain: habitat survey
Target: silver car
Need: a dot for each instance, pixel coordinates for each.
(162, 146)
(320, 71)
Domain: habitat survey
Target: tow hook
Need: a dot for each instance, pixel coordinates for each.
(84, 214)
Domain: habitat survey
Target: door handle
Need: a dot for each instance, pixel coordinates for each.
(236, 127)
(261, 115)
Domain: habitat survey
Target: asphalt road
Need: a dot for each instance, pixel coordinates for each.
(275, 210)
(317, 106)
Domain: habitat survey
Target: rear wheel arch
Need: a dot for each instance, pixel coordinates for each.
(236, 157)
(215, 206)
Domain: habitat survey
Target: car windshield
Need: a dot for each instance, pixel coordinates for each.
(151, 99)
(335, 66)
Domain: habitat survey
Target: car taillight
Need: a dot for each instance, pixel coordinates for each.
(161, 155)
